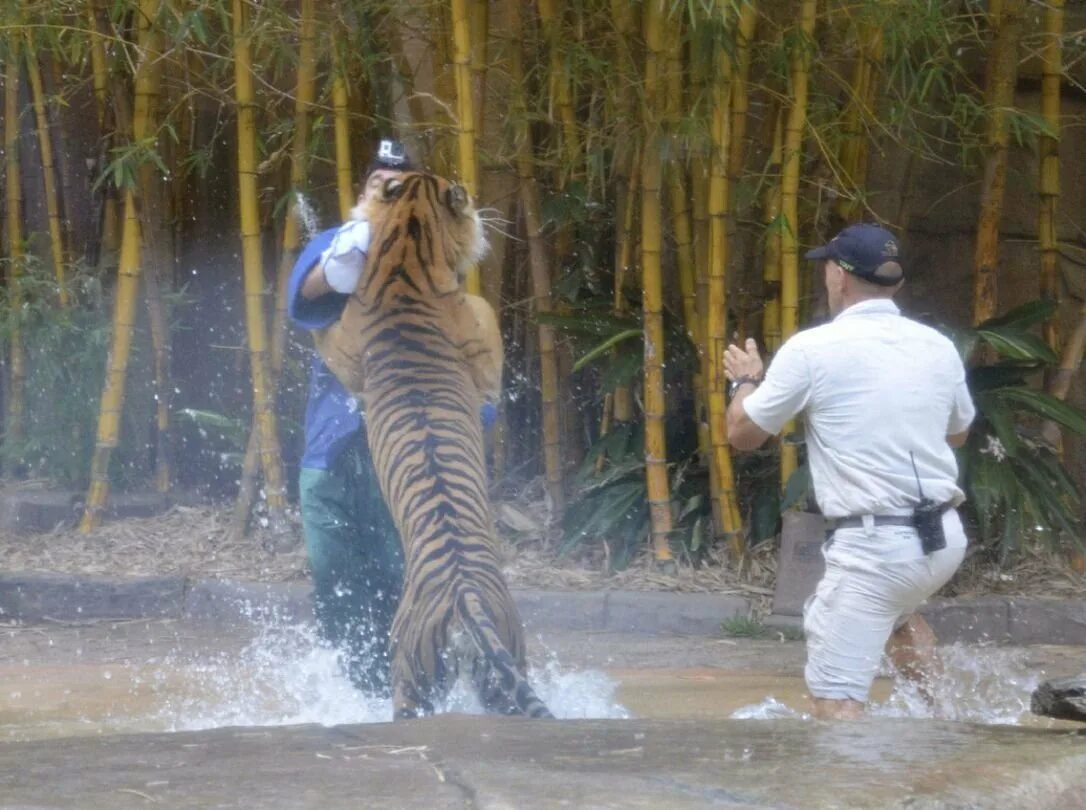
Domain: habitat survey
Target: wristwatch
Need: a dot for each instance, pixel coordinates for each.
(735, 384)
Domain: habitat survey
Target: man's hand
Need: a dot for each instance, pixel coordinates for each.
(745, 362)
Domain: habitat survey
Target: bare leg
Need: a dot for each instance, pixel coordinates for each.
(911, 648)
(827, 709)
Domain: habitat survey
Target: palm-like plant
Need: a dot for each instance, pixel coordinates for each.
(1016, 485)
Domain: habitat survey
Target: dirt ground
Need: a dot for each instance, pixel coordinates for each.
(195, 541)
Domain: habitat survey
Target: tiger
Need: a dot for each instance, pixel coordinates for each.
(422, 355)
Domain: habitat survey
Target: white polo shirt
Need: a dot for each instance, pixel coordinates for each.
(874, 387)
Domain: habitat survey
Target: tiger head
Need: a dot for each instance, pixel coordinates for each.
(427, 202)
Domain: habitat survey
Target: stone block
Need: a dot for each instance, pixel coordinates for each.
(245, 602)
(972, 621)
(136, 505)
(799, 563)
(1046, 621)
(32, 511)
(44, 597)
(560, 610)
(657, 613)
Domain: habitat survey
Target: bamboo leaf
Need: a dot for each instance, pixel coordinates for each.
(604, 347)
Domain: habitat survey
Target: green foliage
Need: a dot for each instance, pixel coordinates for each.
(612, 505)
(65, 361)
(1016, 486)
(740, 627)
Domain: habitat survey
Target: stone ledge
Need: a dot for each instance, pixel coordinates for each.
(41, 597)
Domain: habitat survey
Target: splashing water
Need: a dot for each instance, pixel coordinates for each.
(303, 209)
(985, 685)
(286, 675)
(978, 685)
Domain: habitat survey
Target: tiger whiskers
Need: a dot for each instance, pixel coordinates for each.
(495, 223)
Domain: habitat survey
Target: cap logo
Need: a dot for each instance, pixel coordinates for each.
(890, 248)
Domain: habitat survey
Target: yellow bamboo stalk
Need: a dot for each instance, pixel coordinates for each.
(659, 488)
(341, 114)
(622, 407)
(560, 92)
(716, 316)
(677, 196)
(790, 170)
(1049, 181)
(1003, 74)
(128, 278)
(14, 428)
(110, 226)
(252, 258)
(480, 31)
(465, 114)
(771, 253)
(528, 191)
(49, 176)
(627, 162)
(740, 103)
(303, 101)
(852, 155)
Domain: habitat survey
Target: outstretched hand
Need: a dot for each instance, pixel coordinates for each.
(743, 362)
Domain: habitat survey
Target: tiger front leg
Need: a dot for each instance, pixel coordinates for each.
(483, 349)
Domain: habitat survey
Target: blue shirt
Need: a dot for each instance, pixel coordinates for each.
(332, 415)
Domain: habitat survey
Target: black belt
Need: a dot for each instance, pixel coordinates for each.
(857, 521)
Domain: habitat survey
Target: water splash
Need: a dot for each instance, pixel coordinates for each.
(286, 675)
(987, 685)
(303, 209)
(768, 709)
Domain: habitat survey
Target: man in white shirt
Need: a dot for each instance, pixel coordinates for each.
(884, 400)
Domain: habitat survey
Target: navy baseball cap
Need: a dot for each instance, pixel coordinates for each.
(867, 251)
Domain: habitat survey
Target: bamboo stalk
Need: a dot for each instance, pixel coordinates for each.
(1049, 180)
(1003, 75)
(304, 93)
(263, 406)
(14, 429)
(677, 195)
(465, 114)
(791, 156)
(716, 336)
(341, 115)
(537, 253)
(622, 402)
(110, 222)
(128, 279)
(659, 495)
(771, 253)
(49, 173)
(480, 32)
(560, 93)
(740, 104)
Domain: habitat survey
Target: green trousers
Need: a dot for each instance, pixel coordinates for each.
(356, 562)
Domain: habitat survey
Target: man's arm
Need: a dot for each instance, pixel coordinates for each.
(957, 439)
(743, 434)
(315, 284)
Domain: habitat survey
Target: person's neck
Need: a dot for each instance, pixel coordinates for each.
(848, 301)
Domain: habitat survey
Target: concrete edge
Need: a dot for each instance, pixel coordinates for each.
(42, 597)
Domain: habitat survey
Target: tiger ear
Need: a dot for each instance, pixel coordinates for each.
(456, 197)
(393, 188)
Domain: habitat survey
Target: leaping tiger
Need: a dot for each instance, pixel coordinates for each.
(422, 355)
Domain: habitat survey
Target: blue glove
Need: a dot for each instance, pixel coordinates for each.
(488, 414)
